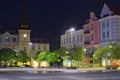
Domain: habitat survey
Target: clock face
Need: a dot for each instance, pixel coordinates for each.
(25, 35)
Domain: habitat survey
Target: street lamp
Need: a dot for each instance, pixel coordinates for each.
(71, 30)
(85, 50)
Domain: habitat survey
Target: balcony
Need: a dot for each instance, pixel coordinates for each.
(86, 31)
(87, 42)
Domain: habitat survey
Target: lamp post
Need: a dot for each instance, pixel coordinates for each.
(71, 34)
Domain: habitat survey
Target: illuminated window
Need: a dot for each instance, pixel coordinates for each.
(7, 39)
(6, 46)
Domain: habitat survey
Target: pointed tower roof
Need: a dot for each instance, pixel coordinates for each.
(109, 9)
(24, 23)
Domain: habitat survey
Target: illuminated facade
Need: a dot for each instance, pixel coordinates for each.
(8, 39)
(91, 36)
(71, 39)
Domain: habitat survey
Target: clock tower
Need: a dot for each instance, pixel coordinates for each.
(24, 31)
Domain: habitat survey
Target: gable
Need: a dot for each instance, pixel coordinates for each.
(105, 11)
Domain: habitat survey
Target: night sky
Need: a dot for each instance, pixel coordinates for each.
(50, 18)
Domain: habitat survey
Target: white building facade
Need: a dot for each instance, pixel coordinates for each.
(72, 38)
(109, 25)
(9, 39)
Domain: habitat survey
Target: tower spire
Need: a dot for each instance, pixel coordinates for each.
(24, 23)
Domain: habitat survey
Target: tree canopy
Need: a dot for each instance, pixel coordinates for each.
(7, 54)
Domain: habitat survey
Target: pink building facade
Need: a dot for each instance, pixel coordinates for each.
(91, 36)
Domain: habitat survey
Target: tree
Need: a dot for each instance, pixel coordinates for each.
(115, 50)
(47, 56)
(41, 56)
(52, 57)
(78, 53)
(60, 53)
(7, 55)
(22, 56)
(100, 52)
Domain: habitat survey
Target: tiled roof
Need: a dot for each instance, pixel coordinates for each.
(39, 41)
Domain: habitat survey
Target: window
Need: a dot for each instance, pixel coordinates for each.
(66, 40)
(78, 38)
(107, 33)
(103, 24)
(81, 37)
(7, 39)
(44, 47)
(91, 37)
(107, 23)
(103, 35)
(70, 40)
(73, 39)
(92, 26)
(14, 39)
(6, 46)
(38, 47)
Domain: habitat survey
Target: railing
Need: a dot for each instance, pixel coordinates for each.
(87, 42)
(86, 31)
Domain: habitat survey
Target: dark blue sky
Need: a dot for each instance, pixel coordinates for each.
(50, 18)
